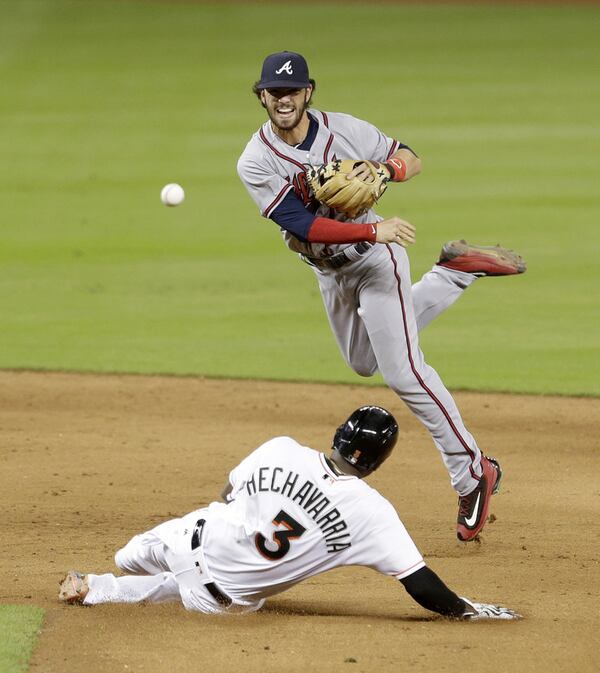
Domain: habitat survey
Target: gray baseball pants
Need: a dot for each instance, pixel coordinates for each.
(376, 313)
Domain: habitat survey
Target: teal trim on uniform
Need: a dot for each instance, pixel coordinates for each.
(97, 275)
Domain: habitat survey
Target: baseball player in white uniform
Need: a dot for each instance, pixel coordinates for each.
(362, 267)
(290, 513)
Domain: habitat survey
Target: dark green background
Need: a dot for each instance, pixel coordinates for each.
(103, 103)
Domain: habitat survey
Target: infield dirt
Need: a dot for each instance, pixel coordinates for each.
(89, 461)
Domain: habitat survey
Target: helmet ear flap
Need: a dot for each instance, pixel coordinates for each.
(342, 442)
(337, 438)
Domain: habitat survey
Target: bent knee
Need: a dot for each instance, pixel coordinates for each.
(122, 559)
(364, 368)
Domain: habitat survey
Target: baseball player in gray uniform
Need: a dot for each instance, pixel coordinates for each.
(289, 513)
(362, 267)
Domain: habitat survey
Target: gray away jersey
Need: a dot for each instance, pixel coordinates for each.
(270, 168)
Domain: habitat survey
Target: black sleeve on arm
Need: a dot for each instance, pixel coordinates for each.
(430, 592)
(292, 216)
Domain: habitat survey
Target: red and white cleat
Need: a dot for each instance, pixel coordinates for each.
(473, 508)
(481, 260)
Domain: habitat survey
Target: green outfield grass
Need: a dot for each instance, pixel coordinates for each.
(104, 102)
(19, 627)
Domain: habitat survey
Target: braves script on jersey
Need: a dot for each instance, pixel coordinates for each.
(270, 168)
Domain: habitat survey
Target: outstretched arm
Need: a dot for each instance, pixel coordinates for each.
(292, 216)
(430, 592)
(425, 587)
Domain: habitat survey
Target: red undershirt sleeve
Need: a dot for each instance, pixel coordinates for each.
(291, 215)
(325, 230)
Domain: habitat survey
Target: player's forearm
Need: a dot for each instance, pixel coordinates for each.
(325, 230)
(428, 590)
(292, 216)
(404, 165)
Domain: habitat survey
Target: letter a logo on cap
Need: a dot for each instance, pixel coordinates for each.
(284, 70)
(287, 66)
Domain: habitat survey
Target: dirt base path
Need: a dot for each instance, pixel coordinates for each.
(88, 461)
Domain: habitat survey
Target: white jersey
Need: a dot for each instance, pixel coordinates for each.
(291, 516)
(270, 168)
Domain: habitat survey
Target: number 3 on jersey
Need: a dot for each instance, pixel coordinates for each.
(280, 537)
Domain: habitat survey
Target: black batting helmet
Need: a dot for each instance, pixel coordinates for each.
(367, 438)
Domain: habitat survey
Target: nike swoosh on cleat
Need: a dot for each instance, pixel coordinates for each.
(473, 518)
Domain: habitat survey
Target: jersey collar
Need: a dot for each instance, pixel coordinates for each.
(332, 470)
(313, 129)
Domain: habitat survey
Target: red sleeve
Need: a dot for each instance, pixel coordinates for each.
(324, 230)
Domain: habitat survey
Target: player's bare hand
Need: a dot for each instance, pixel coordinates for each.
(362, 172)
(395, 230)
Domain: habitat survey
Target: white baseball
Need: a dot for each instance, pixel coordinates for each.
(172, 194)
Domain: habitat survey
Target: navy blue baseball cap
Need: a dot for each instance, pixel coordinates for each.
(284, 70)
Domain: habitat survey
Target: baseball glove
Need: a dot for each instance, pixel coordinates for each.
(330, 185)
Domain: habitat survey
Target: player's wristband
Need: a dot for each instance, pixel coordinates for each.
(325, 230)
(397, 169)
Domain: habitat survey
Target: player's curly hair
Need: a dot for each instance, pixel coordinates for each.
(256, 91)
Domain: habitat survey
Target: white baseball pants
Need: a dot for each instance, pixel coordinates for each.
(157, 574)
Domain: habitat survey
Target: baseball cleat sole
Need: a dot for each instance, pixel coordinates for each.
(481, 260)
